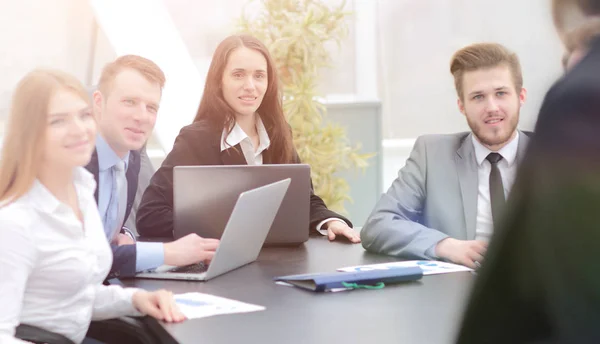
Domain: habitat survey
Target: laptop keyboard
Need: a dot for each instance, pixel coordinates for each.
(191, 269)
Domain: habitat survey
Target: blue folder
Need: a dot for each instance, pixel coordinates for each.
(328, 281)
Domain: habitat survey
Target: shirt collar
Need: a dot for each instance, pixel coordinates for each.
(508, 152)
(42, 199)
(238, 135)
(107, 158)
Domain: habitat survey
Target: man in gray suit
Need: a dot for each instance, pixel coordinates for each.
(444, 202)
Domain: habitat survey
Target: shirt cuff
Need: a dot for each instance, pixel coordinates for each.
(324, 231)
(430, 252)
(129, 233)
(149, 255)
(131, 310)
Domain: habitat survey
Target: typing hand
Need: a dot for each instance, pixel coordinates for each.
(190, 249)
(158, 304)
(336, 227)
(468, 253)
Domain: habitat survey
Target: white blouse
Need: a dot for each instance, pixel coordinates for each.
(237, 135)
(52, 266)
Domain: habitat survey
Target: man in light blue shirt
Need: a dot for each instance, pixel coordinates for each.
(126, 104)
(148, 255)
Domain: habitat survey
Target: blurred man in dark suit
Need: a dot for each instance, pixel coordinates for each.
(540, 281)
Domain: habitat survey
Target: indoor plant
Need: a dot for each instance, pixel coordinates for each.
(296, 33)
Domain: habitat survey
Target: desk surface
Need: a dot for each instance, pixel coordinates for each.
(428, 311)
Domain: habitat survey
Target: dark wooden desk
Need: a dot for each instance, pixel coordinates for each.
(428, 311)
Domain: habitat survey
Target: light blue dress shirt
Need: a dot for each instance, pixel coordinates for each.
(149, 255)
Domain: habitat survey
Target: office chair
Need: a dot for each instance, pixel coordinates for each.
(39, 335)
(122, 330)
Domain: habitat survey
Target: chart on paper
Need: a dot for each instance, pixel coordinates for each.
(429, 267)
(198, 305)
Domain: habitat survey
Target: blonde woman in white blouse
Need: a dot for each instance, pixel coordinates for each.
(53, 253)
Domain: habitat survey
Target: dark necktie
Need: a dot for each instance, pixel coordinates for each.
(496, 187)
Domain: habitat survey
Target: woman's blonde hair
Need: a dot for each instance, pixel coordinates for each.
(26, 129)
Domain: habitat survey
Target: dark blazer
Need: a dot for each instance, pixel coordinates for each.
(199, 144)
(123, 256)
(540, 280)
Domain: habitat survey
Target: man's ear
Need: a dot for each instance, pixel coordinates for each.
(523, 95)
(97, 103)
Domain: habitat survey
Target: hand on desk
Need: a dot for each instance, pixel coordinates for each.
(190, 249)
(336, 227)
(465, 252)
(158, 304)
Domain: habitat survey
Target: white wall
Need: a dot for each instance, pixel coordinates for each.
(36, 33)
(59, 34)
(203, 24)
(417, 39)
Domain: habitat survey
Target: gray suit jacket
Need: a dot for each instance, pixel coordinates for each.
(434, 197)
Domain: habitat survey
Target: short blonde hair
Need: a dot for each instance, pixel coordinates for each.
(484, 56)
(26, 130)
(145, 67)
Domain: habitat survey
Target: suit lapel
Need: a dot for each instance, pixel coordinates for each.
(522, 148)
(266, 155)
(94, 169)
(466, 167)
(132, 175)
(233, 156)
(230, 156)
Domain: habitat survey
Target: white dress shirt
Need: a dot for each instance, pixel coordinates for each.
(508, 170)
(253, 155)
(52, 265)
(237, 135)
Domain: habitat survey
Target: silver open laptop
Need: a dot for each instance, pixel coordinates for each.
(204, 196)
(242, 238)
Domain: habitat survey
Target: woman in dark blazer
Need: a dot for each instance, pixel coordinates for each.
(240, 121)
(540, 280)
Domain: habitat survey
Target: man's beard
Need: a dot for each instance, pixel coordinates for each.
(483, 135)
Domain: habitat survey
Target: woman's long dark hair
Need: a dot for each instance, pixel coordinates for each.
(214, 109)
